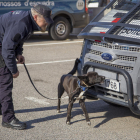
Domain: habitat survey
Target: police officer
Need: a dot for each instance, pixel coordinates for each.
(15, 28)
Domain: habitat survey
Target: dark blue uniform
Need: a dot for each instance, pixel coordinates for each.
(15, 28)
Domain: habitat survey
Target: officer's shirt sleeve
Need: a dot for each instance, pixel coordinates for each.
(12, 38)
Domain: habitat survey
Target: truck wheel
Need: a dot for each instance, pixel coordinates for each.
(60, 29)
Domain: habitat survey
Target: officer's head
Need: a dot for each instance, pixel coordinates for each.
(42, 16)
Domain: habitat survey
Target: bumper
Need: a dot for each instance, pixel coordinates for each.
(133, 107)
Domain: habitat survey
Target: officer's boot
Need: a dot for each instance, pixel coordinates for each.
(14, 124)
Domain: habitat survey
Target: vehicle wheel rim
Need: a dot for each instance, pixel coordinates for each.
(60, 29)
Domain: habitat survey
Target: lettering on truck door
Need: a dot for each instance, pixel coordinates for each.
(26, 3)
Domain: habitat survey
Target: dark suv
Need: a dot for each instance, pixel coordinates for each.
(66, 14)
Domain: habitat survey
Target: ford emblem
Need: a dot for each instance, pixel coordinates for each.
(107, 56)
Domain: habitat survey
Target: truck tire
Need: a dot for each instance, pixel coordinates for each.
(60, 29)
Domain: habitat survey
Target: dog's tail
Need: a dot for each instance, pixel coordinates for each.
(73, 71)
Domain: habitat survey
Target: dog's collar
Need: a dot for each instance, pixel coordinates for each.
(82, 87)
(85, 84)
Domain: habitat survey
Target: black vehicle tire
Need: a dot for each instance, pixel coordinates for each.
(60, 29)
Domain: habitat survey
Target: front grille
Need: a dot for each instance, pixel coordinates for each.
(95, 52)
(127, 58)
(119, 57)
(115, 47)
(111, 94)
(127, 68)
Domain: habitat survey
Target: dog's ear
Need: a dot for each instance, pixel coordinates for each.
(82, 77)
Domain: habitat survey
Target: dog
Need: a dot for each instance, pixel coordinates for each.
(76, 88)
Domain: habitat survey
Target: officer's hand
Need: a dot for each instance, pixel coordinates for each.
(16, 75)
(20, 59)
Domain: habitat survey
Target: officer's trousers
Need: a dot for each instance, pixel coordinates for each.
(6, 86)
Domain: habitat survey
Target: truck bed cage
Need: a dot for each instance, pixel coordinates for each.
(120, 24)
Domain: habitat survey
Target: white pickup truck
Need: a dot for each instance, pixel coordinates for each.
(111, 47)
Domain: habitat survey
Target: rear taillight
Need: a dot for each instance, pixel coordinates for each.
(86, 6)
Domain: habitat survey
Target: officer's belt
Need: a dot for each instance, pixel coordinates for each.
(2, 63)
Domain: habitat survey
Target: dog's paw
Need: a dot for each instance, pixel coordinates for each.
(89, 123)
(68, 123)
(58, 111)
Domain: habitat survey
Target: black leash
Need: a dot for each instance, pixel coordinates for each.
(34, 85)
(39, 92)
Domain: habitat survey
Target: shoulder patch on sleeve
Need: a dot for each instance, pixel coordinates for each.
(16, 12)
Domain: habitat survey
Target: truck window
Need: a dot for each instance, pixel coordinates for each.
(93, 3)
